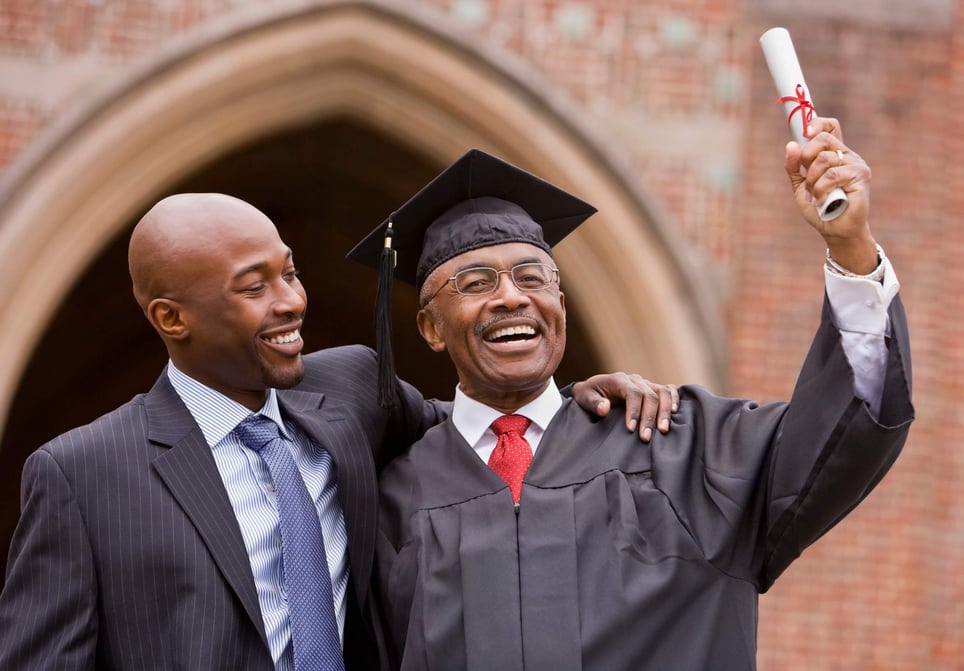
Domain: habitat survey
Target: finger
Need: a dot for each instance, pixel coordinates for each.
(797, 173)
(825, 151)
(650, 407)
(793, 165)
(603, 406)
(823, 168)
(632, 388)
(824, 125)
(839, 167)
(667, 406)
(822, 134)
(635, 395)
(840, 158)
(829, 176)
(591, 394)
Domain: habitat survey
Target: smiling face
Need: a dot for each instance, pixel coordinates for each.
(505, 345)
(221, 288)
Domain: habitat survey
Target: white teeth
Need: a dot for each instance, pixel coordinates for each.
(284, 338)
(512, 331)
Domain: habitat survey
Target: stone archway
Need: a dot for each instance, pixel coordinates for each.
(428, 87)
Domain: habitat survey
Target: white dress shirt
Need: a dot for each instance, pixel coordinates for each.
(473, 419)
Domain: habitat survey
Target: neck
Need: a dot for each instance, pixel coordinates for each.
(505, 401)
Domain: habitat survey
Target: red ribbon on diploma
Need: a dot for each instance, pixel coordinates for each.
(805, 107)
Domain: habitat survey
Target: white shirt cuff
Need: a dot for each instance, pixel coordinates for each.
(860, 305)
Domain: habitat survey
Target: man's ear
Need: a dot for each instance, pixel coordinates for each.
(166, 318)
(430, 330)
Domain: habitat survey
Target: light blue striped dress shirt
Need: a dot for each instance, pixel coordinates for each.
(249, 488)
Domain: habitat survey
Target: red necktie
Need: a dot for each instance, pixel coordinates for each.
(512, 454)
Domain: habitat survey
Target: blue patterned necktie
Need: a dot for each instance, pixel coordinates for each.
(311, 611)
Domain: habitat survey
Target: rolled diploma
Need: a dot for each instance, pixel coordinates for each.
(785, 69)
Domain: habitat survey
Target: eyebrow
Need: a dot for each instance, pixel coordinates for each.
(481, 264)
(258, 267)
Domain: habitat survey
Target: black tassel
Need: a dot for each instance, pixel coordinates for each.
(383, 323)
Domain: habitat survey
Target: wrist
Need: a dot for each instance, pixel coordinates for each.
(877, 274)
(858, 253)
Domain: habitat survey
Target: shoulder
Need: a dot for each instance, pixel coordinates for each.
(341, 355)
(348, 373)
(115, 426)
(90, 447)
(706, 410)
(341, 362)
(439, 437)
(432, 460)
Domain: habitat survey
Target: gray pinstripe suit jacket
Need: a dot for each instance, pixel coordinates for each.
(128, 554)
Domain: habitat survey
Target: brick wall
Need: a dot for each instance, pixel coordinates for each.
(681, 89)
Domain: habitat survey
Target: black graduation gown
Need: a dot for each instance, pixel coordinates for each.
(623, 555)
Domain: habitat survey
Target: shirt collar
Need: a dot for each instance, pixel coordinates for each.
(472, 418)
(215, 413)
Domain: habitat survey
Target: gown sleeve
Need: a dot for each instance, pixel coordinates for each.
(832, 450)
(759, 483)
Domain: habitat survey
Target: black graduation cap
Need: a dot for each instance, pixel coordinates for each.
(476, 202)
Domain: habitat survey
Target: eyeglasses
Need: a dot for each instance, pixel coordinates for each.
(481, 281)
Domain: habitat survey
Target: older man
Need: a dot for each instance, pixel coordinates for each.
(596, 555)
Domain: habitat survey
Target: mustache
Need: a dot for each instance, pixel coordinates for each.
(519, 314)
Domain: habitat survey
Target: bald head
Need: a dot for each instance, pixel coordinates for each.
(219, 286)
(181, 233)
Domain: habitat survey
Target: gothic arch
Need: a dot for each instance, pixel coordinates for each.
(431, 85)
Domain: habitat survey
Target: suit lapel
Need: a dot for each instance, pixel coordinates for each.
(337, 431)
(190, 473)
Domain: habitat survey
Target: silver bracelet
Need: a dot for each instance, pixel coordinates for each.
(877, 274)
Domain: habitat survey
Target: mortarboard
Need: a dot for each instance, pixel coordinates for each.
(476, 202)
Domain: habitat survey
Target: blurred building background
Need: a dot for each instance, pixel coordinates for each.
(327, 115)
